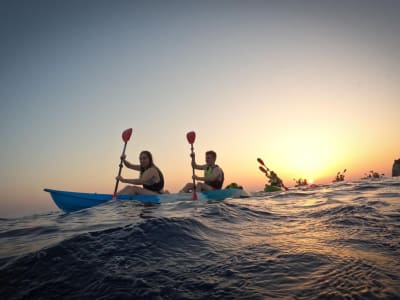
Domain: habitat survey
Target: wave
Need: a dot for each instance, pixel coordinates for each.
(336, 242)
(135, 258)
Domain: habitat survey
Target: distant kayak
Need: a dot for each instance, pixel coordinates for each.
(73, 201)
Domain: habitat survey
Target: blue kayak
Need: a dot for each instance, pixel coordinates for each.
(73, 201)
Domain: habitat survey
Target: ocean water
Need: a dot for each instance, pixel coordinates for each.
(338, 241)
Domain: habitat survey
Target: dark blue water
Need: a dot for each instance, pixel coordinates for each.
(333, 242)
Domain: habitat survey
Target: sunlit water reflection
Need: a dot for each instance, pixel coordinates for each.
(331, 242)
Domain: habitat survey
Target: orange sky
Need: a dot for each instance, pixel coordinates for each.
(312, 89)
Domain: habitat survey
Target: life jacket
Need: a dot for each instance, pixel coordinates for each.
(217, 183)
(155, 186)
(275, 181)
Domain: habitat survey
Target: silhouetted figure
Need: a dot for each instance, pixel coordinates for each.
(301, 182)
(339, 176)
(396, 168)
(373, 174)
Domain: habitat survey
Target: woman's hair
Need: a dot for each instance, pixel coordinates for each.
(148, 154)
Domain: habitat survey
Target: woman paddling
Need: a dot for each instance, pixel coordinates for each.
(151, 178)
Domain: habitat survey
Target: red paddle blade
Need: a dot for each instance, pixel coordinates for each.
(194, 195)
(260, 161)
(191, 136)
(126, 135)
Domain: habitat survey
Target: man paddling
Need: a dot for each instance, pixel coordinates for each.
(213, 178)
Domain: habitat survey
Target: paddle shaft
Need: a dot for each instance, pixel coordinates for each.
(119, 172)
(194, 181)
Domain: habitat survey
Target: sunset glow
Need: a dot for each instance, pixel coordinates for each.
(310, 87)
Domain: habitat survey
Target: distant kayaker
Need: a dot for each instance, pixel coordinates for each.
(274, 180)
(396, 168)
(301, 182)
(151, 178)
(339, 176)
(373, 174)
(213, 178)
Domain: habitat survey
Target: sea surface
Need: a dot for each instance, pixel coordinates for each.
(339, 241)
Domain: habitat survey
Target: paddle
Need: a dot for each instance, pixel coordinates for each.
(262, 169)
(285, 187)
(126, 135)
(191, 136)
(342, 176)
(262, 163)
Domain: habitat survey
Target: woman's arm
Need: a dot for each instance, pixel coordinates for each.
(130, 181)
(150, 174)
(130, 165)
(147, 176)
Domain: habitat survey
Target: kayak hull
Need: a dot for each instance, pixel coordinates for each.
(73, 201)
(272, 188)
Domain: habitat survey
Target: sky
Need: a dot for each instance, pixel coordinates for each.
(311, 87)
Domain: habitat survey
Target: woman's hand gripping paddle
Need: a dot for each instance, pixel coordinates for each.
(191, 136)
(126, 135)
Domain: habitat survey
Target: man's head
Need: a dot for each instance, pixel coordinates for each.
(211, 157)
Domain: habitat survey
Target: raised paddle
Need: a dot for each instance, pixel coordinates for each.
(126, 135)
(191, 136)
(262, 163)
(262, 169)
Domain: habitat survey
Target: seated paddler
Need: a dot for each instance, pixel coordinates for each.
(274, 181)
(150, 181)
(213, 177)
